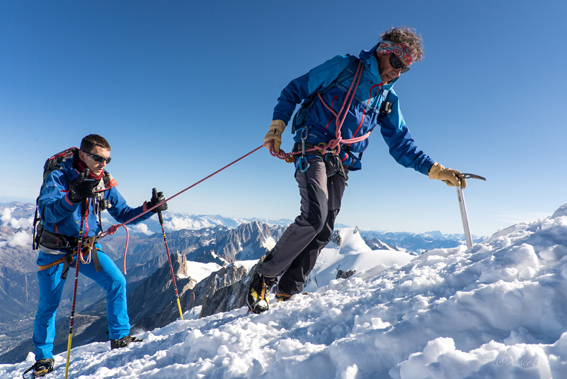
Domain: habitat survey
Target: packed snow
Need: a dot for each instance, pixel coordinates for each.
(496, 310)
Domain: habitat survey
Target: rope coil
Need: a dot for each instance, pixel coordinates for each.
(334, 145)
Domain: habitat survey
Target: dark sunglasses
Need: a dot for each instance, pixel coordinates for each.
(98, 158)
(396, 63)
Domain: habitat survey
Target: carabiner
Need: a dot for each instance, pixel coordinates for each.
(303, 139)
(307, 164)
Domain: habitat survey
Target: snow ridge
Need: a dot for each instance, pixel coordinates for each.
(496, 310)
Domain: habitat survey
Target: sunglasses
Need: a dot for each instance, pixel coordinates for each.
(98, 158)
(396, 63)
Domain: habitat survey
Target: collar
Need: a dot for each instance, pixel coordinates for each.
(80, 166)
(371, 62)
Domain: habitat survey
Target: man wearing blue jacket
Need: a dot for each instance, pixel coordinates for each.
(342, 101)
(80, 186)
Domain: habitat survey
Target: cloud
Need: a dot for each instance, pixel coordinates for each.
(16, 223)
(179, 223)
(20, 239)
(6, 216)
(141, 228)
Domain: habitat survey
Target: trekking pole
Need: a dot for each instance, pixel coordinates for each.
(463, 208)
(155, 196)
(79, 251)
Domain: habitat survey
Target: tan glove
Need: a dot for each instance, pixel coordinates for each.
(274, 135)
(451, 177)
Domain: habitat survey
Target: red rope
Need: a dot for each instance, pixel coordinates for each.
(113, 228)
(334, 146)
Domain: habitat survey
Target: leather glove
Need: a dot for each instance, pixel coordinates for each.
(274, 135)
(157, 197)
(451, 177)
(82, 188)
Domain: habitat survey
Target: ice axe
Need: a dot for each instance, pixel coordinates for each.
(463, 208)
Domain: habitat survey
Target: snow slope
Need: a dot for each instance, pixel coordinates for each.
(496, 310)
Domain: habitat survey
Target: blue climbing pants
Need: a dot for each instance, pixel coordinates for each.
(51, 287)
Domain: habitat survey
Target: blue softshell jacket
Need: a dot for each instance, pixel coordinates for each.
(62, 216)
(363, 115)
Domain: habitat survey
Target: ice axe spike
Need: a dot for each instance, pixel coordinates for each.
(463, 207)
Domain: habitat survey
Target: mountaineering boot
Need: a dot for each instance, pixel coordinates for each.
(41, 368)
(282, 297)
(123, 342)
(257, 298)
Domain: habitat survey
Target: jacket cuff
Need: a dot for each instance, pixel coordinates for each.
(68, 204)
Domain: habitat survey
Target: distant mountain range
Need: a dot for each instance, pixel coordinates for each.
(203, 239)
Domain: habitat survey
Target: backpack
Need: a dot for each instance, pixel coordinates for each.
(51, 164)
(347, 73)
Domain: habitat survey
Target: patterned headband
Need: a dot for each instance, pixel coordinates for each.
(400, 50)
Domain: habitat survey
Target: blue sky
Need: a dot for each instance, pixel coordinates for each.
(181, 88)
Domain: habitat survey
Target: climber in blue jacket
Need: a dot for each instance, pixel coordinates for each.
(79, 185)
(342, 101)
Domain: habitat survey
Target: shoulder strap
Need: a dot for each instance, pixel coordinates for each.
(347, 73)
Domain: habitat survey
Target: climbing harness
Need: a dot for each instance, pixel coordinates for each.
(88, 250)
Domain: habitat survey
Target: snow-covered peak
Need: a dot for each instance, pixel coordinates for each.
(352, 256)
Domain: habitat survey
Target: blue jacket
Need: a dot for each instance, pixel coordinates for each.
(62, 216)
(362, 117)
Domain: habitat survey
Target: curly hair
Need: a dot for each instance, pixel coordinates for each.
(406, 35)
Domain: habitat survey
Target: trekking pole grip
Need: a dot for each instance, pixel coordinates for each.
(155, 196)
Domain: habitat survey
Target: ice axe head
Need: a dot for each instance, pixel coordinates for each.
(472, 176)
(469, 176)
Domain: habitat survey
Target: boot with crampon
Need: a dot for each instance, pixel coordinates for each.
(41, 368)
(257, 297)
